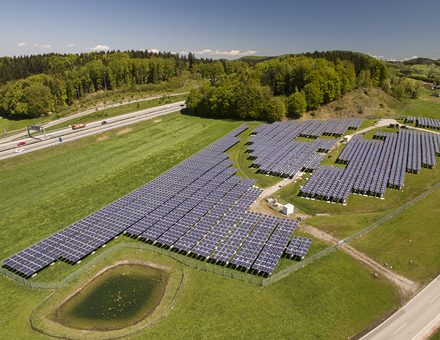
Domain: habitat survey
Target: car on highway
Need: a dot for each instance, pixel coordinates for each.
(50, 136)
(18, 150)
(167, 106)
(21, 143)
(104, 122)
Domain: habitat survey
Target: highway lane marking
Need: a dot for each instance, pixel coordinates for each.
(429, 324)
(399, 328)
(434, 298)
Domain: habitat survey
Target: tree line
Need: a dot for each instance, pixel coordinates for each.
(36, 84)
(269, 88)
(284, 86)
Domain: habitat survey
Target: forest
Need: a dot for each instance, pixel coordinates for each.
(268, 88)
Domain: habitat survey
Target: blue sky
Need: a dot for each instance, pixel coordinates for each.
(387, 29)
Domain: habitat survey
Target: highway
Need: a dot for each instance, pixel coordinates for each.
(416, 320)
(67, 134)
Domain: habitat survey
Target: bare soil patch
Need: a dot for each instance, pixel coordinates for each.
(432, 99)
(124, 131)
(102, 138)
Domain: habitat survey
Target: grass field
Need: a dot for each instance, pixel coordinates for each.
(390, 242)
(423, 108)
(422, 69)
(48, 190)
(328, 299)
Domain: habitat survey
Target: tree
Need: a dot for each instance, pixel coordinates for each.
(313, 95)
(274, 110)
(296, 105)
(38, 100)
(378, 71)
(192, 100)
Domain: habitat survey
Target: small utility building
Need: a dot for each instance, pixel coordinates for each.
(287, 209)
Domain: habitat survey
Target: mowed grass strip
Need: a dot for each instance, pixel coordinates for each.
(43, 196)
(413, 235)
(342, 226)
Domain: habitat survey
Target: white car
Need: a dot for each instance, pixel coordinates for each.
(50, 136)
(167, 106)
(18, 150)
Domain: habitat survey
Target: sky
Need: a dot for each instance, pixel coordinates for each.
(386, 29)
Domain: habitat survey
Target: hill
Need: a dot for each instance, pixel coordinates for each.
(359, 103)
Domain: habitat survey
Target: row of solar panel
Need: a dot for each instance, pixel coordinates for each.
(184, 215)
(83, 237)
(373, 165)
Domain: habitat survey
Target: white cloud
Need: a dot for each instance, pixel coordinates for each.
(22, 44)
(413, 57)
(154, 51)
(72, 45)
(98, 48)
(42, 46)
(230, 53)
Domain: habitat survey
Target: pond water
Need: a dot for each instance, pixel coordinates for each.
(119, 297)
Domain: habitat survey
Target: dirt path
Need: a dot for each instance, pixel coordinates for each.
(405, 286)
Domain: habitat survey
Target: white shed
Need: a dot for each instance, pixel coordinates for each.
(287, 209)
(347, 138)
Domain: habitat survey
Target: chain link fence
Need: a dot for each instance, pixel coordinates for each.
(283, 273)
(190, 262)
(212, 268)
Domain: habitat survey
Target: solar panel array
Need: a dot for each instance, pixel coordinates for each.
(330, 127)
(373, 165)
(274, 248)
(410, 119)
(424, 122)
(198, 207)
(428, 123)
(250, 249)
(140, 210)
(275, 151)
(298, 246)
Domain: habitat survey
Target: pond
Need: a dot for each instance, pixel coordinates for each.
(119, 297)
